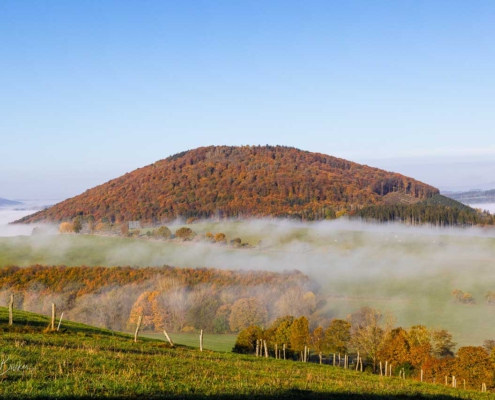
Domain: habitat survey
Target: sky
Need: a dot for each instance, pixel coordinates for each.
(90, 90)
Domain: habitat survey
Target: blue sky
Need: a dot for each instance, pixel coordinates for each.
(93, 89)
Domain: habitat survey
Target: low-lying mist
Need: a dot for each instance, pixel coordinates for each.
(410, 271)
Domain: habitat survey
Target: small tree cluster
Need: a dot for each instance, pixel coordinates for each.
(461, 297)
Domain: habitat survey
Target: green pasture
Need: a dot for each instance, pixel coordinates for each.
(211, 341)
(72, 364)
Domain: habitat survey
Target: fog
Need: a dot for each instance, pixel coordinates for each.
(484, 206)
(13, 213)
(410, 271)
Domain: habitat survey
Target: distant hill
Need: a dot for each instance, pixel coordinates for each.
(5, 202)
(474, 196)
(248, 181)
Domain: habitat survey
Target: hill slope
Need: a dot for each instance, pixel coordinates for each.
(474, 196)
(5, 202)
(237, 181)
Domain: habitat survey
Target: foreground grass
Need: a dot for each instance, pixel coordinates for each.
(83, 362)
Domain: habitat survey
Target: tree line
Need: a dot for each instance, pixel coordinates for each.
(415, 352)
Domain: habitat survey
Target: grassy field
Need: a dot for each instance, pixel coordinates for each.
(222, 343)
(83, 362)
(408, 271)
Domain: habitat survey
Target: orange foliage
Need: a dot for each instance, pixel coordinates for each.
(237, 181)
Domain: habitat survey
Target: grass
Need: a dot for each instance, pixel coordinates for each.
(83, 362)
(215, 342)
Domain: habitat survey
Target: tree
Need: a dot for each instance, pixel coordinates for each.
(185, 233)
(299, 334)
(124, 229)
(220, 238)
(489, 345)
(163, 232)
(66, 227)
(442, 344)
(246, 312)
(77, 225)
(221, 321)
(338, 336)
(318, 342)
(396, 347)
(246, 340)
(202, 314)
(473, 364)
(370, 333)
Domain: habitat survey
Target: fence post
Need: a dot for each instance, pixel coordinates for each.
(137, 328)
(201, 340)
(421, 375)
(266, 348)
(60, 321)
(284, 351)
(11, 310)
(168, 338)
(257, 347)
(276, 351)
(54, 312)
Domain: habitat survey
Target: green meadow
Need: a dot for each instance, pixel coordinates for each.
(81, 362)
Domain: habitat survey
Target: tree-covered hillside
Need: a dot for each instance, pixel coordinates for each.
(248, 181)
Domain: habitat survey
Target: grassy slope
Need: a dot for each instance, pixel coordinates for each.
(83, 362)
(216, 342)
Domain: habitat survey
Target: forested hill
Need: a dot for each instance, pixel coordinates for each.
(237, 181)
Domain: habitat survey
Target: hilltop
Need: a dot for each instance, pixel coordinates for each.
(247, 181)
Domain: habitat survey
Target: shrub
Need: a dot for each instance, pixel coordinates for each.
(185, 233)
(220, 238)
(163, 232)
(246, 340)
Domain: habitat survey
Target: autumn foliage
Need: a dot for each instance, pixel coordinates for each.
(237, 182)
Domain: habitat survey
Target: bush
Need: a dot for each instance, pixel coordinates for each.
(220, 238)
(185, 233)
(163, 232)
(246, 340)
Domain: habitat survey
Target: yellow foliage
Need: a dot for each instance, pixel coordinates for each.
(66, 227)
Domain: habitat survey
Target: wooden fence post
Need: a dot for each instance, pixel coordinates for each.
(201, 340)
(257, 347)
(60, 321)
(276, 351)
(168, 338)
(334, 359)
(137, 328)
(11, 310)
(390, 367)
(421, 375)
(54, 312)
(266, 348)
(284, 351)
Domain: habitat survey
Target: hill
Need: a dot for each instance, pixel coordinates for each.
(248, 181)
(5, 202)
(474, 196)
(83, 362)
